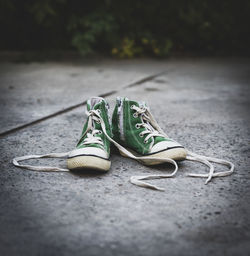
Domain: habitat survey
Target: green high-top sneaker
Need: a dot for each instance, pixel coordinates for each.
(137, 135)
(93, 148)
(135, 129)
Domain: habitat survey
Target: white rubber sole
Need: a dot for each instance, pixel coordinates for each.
(177, 154)
(88, 162)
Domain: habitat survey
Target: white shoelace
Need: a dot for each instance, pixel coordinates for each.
(91, 138)
(149, 130)
(90, 131)
(94, 115)
(157, 131)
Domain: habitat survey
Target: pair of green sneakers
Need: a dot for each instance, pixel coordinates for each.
(132, 129)
(136, 134)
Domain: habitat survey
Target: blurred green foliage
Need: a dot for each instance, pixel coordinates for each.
(127, 29)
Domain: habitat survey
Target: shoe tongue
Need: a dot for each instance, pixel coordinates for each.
(142, 104)
(93, 102)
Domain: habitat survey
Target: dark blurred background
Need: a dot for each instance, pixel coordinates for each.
(126, 28)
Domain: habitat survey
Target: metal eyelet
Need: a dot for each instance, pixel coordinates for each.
(145, 141)
(132, 106)
(100, 132)
(141, 135)
(135, 115)
(137, 126)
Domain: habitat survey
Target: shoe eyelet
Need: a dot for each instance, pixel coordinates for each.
(100, 132)
(132, 106)
(145, 141)
(141, 135)
(137, 126)
(135, 115)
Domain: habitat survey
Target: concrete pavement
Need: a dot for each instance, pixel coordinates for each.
(202, 103)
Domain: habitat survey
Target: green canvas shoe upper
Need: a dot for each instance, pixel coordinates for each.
(134, 127)
(93, 141)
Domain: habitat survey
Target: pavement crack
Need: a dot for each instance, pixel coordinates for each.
(70, 108)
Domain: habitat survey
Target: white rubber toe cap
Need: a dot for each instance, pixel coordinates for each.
(89, 151)
(164, 145)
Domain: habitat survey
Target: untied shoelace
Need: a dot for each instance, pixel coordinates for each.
(94, 115)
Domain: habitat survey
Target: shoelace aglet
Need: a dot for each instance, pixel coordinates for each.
(208, 180)
(195, 175)
(136, 181)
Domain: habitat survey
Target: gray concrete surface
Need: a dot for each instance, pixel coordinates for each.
(34, 91)
(202, 103)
